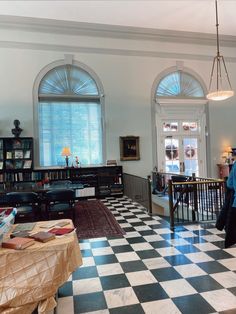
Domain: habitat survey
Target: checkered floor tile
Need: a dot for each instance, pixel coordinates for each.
(152, 269)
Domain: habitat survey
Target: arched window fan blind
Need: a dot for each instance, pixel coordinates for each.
(179, 84)
(69, 113)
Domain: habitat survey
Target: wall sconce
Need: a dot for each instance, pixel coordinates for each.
(66, 152)
(229, 150)
(227, 154)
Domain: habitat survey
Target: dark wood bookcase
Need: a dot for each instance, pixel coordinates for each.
(16, 155)
(16, 165)
(98, 181)
(1, 159)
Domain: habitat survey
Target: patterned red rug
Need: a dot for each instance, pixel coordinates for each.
(94, 220)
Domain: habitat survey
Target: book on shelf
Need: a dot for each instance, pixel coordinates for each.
(9, 164)
(26, 144)
(61, 231)
(18, 243)
(27, 164)
(18, 164)
(20, 176)
(18, 154)
(9, 155)
(1, 154)
(16, 144)
(27, 154)
(1, 165)
(42, 236)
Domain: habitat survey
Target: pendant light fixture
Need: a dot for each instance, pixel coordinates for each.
(220, 86)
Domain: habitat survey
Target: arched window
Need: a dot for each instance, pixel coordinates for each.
(69, 114)
(180, 121)
(179, 84)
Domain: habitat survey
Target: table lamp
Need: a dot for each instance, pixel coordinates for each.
(66, 152)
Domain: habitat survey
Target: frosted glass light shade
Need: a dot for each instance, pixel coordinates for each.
(220, 95)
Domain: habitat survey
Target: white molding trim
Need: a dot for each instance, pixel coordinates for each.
(113, 31)
(108, 51)
(184, 102)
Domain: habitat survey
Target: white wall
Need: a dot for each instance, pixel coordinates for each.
(127, 69)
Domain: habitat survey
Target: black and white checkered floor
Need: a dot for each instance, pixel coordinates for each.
(152, 269)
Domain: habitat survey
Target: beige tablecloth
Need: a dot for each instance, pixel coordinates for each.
(32, 276)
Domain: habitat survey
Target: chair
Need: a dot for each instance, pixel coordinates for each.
(60, 203)
(27, 204)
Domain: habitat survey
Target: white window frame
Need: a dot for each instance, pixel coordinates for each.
(170, 108)
(68, 60)
(184, 112)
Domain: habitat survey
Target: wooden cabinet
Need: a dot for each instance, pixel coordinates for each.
(223, 170)
(97, 181)
(16, 165)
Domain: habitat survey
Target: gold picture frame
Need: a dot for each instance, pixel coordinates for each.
(129, 148)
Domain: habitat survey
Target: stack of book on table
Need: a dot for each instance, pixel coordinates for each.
(17, 243)
(23, 236)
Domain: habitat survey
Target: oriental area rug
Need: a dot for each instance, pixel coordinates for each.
(94, 220)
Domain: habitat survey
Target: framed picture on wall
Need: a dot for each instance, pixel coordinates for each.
(129, 148)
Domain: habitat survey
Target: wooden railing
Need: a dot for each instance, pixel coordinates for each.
(191, 198)
(138, 189)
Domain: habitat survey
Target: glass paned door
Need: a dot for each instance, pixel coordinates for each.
(181, 155)
(190, 152)
(172, 162)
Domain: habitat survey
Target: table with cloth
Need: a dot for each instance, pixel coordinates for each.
(31, 277)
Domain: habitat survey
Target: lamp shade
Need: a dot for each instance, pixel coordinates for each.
(220, 95)
(66, 151)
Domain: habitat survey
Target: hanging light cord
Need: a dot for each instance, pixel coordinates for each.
(217, 30)
(218, 58)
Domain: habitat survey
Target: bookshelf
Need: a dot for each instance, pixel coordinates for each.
(1, 160)
(1, 154)
(17, 154)
(98, 181)
(16, 165)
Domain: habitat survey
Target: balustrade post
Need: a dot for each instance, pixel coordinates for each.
(170, 193)
(149, 193)
(195, 202)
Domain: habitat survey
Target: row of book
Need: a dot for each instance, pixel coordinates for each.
(18, 144)
(51, 175)
(17, 164)
(31, 175)
(18, 154)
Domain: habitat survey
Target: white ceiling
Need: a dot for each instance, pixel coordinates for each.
(183, 15)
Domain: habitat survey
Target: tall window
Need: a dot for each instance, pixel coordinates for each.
(180, 124)
(69, 115)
